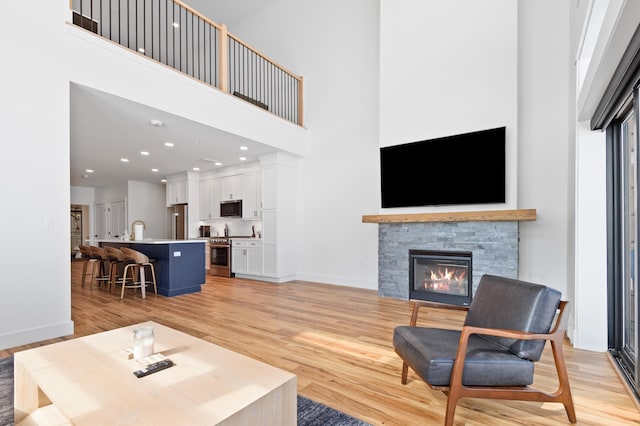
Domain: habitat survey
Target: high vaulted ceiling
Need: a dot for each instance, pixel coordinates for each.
(106, 128)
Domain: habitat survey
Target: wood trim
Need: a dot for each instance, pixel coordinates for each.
(198, 14)
(223, 66)
(476, 216)
(300, 103)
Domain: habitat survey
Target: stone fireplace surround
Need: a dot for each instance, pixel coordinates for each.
(491, 236)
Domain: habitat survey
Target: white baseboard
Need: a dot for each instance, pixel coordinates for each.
(32, 335)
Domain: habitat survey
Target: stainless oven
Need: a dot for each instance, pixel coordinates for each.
(220, 257)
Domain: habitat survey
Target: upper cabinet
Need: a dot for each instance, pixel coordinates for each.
(250, 196)
(243, 186)
(210, 197)
(232, 188)
(205, 199)
(177, 192)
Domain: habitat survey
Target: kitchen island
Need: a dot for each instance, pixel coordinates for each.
(179, 264)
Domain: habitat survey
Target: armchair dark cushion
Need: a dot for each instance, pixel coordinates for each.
(514, 305)
(430, 352)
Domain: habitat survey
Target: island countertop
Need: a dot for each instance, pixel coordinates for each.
(152, 241)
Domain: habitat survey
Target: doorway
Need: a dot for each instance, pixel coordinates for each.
(79, 228)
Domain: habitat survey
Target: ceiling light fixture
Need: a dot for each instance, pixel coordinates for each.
(243, 158)
(89, 170)
(163, 180)
(168, 144)
(144, 152)
(124, 160)
(243, 148)
(156, 123)
(217, 163)
(155, 170)
(196, 169)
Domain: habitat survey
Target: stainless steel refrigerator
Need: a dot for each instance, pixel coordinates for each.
(177, 223)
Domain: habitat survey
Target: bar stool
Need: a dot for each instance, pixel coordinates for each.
(85, 254)
(136, 267)
(116, 261)
(102, 262)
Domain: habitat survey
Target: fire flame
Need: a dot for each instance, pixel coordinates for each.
(445, 280)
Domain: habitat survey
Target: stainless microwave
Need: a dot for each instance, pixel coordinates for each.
(231, 208)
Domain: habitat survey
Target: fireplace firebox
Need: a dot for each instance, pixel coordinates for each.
(440, 276)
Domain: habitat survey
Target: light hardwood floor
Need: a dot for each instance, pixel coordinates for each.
(337, 340)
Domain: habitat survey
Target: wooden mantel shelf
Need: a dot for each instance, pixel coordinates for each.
(478, 216)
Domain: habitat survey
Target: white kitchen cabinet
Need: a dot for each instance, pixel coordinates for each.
(216, 197)
(177, 192)
(246, 257)
(250, 196)
(206, 203)
(279, 207)
(232, 188)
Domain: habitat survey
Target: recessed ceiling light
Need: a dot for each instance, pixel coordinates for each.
(169, 144)
(124, 160)
(196, 169)
(89, 170)
(244, 148)
(217, 163)
(163, 180)
(156, 123)
(155, 170)
(243, 158)
(144, 152)
(176, 25)
(141, 49)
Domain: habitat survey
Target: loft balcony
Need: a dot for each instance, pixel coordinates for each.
(174, 34)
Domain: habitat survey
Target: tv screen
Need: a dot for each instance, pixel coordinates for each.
(462, 169)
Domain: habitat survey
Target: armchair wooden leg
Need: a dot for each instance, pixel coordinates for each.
(453, 396)
(564, 389)
(405, 371)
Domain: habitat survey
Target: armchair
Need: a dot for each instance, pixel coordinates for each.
(493, 356)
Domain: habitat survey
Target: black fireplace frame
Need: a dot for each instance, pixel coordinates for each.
(449, 299)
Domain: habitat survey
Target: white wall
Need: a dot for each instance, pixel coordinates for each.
(545, 143)
(448, 68)
(147, 202)
(589, 330)
(34, 175)
(336, 49)
(109, 194)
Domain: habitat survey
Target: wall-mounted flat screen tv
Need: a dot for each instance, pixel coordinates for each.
(467, 168)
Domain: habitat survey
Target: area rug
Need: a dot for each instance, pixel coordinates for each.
(310, 413)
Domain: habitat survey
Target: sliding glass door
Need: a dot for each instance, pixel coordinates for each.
(623, 252)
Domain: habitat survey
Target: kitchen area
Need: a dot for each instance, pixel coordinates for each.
(245, 214)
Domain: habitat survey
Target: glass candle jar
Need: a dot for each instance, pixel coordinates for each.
(142, 342)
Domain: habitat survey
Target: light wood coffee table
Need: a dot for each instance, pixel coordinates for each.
(89, 381)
